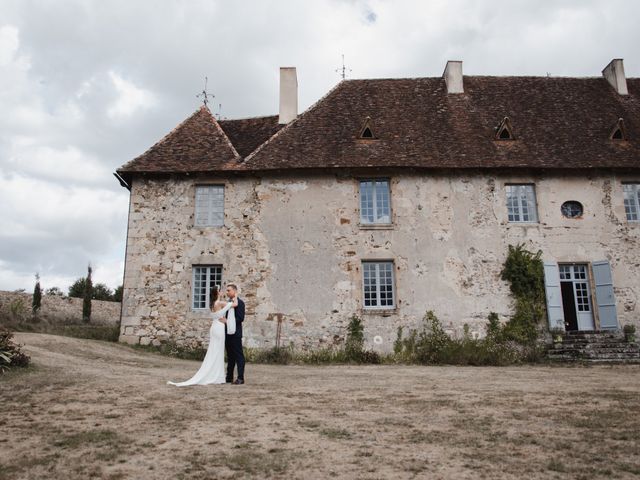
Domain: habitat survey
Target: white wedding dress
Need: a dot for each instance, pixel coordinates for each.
(212, 368)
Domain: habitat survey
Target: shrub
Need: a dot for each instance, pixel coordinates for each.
(18, 309)
(432, 345)
(117, 294)
(11, 354)
(86, 297)
(524, 271)
(275, 355)
(36, 301)
(54, 291)
(102, 292)
(629, 332)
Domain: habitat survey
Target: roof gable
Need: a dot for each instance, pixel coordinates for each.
(197, 144)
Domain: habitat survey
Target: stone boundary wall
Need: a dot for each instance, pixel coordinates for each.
(58, 309)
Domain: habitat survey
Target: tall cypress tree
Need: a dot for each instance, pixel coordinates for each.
(37, 296)
(88, 293)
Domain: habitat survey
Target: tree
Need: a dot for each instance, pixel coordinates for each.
(88, 293)
(76, 289)
(117, 294)
(54, 291)
(37, 296)
(102, 292)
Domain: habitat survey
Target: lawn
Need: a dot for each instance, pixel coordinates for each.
(89, 408)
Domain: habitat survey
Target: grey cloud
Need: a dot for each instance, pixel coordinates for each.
(61, 103)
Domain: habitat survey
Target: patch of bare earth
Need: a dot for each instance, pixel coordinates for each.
(91, 409)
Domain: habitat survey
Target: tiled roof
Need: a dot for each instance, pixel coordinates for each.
(556, 123)
(249, 133)
(196, 145)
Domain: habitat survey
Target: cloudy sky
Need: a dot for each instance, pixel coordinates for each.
(87, 85)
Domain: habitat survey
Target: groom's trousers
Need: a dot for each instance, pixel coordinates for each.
(235, 356)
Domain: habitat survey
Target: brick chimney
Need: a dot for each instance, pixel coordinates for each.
(453, 76)
(614, 73)
(288, 94)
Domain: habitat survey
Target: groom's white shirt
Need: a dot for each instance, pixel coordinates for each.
(231, 321)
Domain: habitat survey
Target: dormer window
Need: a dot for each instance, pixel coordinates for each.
(504, 130)
(366, 132)
(619, 131)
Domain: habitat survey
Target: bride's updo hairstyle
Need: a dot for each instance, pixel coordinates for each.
(213, 296)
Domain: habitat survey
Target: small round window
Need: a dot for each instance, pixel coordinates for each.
(571, 209)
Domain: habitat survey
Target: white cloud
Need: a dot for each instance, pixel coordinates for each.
(8, 44)
(68, 164)
(130, 97)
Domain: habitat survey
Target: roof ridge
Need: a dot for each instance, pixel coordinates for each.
(288, 125)
(220, 130)
(248, 118)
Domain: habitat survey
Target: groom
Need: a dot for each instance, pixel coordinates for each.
(233, 342)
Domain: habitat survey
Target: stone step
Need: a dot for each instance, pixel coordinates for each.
(609, 351)
(594, 347)
(569, 359)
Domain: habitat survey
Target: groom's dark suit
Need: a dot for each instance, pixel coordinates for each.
(233, 345)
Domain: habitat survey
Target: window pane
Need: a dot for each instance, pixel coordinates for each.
(375, 201)
(209, 206)
(521, 203)
(205, 277)
(631, 201)
(382, 202)
(366, 202)
(378, 284)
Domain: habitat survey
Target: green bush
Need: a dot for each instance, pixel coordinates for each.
(172, 349)
(36, 299)
(275, 355)
(524, 271)
(432, 345)
(11, 354)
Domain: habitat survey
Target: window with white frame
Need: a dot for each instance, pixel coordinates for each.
(377, 279)
(204, 278)
(521, 203)
(632, 201)
(375, 202)
(209, 205)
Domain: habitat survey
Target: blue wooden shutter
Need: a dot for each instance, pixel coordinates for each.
(555, 313)
(605, 297)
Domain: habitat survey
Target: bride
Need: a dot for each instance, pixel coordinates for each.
(212, 368)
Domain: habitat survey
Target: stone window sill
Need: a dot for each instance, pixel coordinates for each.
(383, 312)
(376, 226)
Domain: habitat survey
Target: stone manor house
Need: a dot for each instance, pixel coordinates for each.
(388, 198)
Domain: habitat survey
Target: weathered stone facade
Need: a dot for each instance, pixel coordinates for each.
(294, 245)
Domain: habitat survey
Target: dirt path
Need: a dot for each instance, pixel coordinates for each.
(93, 409)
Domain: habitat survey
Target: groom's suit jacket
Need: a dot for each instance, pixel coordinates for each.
(239, 312)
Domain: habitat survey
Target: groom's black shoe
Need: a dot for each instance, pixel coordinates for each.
(229, 380)
(239, 381)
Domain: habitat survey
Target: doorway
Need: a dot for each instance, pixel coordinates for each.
(576, 296)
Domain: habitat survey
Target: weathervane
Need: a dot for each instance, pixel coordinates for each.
(204, 93)
(343, 70)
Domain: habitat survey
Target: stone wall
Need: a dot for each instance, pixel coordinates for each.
(295, 247)
(58, 309)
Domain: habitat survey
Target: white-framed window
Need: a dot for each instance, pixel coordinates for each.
(521, 203)
(209, 206)
(375, 204)
(204, 278)
(632, 201)
(378, 284)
